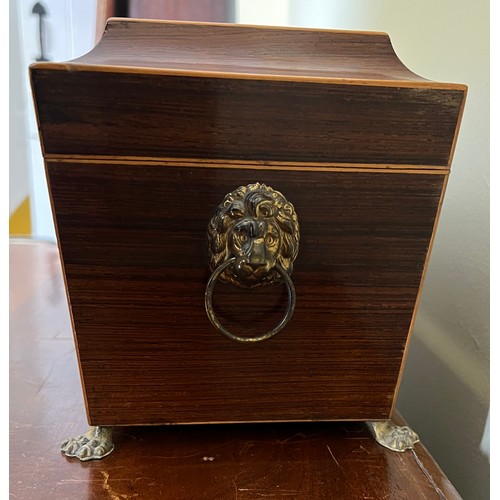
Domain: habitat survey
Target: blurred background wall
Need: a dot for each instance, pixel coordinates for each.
(68, 30)
(445, 390)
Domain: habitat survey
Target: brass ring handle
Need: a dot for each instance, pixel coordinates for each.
(217, 324)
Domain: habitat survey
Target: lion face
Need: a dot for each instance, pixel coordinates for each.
(257, 227)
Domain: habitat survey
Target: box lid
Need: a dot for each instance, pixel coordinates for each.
(245, 51)
(184, 89)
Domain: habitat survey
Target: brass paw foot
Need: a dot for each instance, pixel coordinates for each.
(393, 436)
(95, 444)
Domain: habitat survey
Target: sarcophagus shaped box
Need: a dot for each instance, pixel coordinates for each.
(244, 215)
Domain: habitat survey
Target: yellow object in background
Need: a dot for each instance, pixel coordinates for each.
(20, 220)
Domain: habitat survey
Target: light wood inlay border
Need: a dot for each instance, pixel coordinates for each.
(253, 165)
(245, 76)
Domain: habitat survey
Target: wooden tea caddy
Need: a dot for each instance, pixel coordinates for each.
(244, 215)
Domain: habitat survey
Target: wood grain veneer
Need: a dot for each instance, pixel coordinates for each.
(245, 119)
(248, 92)
(145, 135)
(296, 461)
(136, 267)
(236, 50)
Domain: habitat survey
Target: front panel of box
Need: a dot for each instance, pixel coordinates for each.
(133, 238)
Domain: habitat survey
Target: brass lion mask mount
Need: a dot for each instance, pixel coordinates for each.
(253, 242)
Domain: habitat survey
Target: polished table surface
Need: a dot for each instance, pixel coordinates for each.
(295, 461)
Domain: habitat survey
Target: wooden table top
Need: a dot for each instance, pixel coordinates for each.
(215, 462)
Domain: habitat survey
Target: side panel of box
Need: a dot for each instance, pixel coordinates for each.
(134, 247)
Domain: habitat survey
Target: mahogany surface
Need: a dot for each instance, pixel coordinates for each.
(102, 113)
(173, 89)
(261, 51)
(145, 135)
(294, 461)
(133, 239)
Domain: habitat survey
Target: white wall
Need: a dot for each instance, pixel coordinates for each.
(69, 33)
(276, 13)
(445, 389)
(19, 152)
